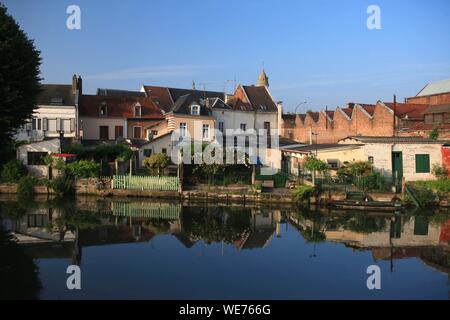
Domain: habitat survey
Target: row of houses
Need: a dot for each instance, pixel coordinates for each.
(393, 136)
(145, 118)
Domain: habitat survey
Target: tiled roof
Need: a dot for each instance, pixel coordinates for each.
(314, 115)
(413, 111)
(260, 99)
(433, 88)
(119, 93)
(56, 94)
(330, 114)
(445, 108)
(161, 97)
(369, 108)
(348, 111)
(118, 107)
(367, 139)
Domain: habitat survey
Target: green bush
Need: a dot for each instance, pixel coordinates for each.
(13, 171)
(303, 192)
(74, 148)
(156, 163)
(83, 169)
(424, 196)
(439, 171)
(114, 151)
(25, 188)
(61, 185)
(440, 186)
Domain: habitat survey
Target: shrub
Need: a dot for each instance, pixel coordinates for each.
(424, 196)
(303, 192)
(83, 169)
(61, 185)
(156, 162)
(74, 148)
(114, 151)
(13, 171)
(434, 134)
(313, 164)
(439, 171)
(441, 185)
(26, 185)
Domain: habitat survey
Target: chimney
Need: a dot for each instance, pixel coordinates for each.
(80, 85)
(395, 118)
(280, 118)
(74, 84)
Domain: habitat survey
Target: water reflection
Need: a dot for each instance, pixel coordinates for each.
(63, 229)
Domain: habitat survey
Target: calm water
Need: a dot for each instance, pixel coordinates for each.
(146, 250)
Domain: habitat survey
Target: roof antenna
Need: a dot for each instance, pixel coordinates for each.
(193, 85)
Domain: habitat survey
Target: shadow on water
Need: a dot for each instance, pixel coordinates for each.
(66, 229)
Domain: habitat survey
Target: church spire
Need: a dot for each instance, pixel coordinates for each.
(263, 79)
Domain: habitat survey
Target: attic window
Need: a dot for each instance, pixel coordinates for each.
(195, 110)
(56, 101)
(103, 110)
(263, 107)
(137, 111)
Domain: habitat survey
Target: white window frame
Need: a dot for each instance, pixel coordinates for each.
(183, 129)
(206, 127)
(197, 107)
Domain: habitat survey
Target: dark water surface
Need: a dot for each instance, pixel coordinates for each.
(136, 249)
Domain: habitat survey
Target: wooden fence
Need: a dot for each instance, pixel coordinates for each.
(147, 210)
(146, 183)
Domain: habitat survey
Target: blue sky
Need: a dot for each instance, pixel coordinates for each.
(319, 51)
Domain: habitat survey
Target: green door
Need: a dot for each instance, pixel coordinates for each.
(397, 168)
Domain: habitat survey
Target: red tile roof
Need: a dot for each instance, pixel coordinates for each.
(369, 108)
(161, 97)
(348, 111)
(413, 111)
(118, 107)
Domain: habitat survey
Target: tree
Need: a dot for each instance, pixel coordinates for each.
(313, 165)
(434, 134)
(157, 161)
(19, 78)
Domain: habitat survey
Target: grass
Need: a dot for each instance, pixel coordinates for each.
(441, 185)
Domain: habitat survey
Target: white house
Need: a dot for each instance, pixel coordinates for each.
(397, 157)
(32, 155)
(56, 112)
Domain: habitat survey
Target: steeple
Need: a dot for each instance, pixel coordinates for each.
(263, 79)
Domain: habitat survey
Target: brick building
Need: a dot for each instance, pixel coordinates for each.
(434, 93)
(380, 119)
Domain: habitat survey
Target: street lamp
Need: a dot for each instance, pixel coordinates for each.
(299, 105)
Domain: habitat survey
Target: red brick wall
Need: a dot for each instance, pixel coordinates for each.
(381, 124)
(437, 99)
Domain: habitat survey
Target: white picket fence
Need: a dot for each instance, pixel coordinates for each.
(146, 183)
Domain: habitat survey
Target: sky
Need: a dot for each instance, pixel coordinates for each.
(318, 51)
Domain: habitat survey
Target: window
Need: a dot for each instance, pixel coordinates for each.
(243, 126)
(118, 132)
(269, 138)
(137, 111)
(148, 152)
(422, 163)
(36, 158)
(206, 131)
(103, 110)
(183, 129)
(104, 133)
(371, 160)
(154, 132)
(333, 163)
(195, 110)
(164, 151)
(221, 126)
(137, 132)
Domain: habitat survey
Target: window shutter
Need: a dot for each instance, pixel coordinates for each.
(45, 124)
(422, 163)
(72, 125)
(58, 124)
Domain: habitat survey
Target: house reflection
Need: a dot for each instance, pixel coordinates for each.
(62, 230)
(387, 237)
